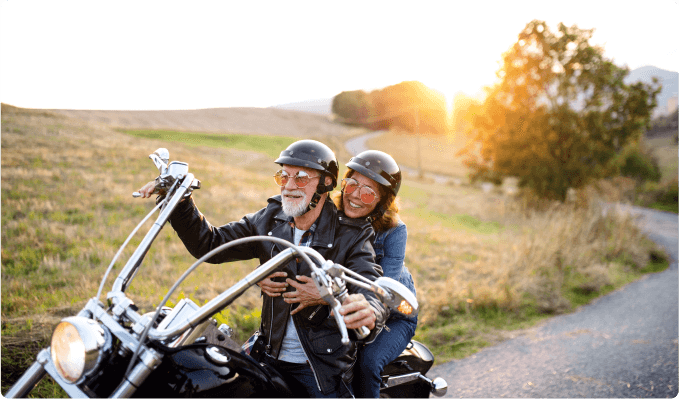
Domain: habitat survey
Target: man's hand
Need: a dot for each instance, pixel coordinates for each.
(357, 312)
(147, 190)
(272, 288)
(306, 294)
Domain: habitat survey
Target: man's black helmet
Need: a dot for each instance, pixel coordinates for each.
(311, 154)
(378, 166)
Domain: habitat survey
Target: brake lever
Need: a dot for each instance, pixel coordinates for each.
(325, 289)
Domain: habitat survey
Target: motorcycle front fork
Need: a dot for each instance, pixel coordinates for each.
(31, 377)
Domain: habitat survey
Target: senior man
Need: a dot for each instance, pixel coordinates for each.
(305, 346)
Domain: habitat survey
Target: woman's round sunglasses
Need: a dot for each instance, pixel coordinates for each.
(367, 194)
(301, 178)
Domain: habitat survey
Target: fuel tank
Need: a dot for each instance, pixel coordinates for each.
(209, 370)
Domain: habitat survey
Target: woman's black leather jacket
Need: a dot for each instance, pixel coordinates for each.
(338, 238)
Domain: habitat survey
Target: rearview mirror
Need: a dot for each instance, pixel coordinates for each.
(397, 297)
(160, 158)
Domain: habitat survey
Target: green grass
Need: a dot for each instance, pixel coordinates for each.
(18, 359)
(458, 334)
(270, 145)
(660, 196)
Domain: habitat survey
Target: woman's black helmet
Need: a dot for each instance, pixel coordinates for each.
(311, 154)
(379, 166)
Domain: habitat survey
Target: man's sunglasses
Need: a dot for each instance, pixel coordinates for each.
(301, 179)
(366, 193)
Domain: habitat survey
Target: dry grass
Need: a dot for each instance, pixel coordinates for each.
(67, 206)
(499, 253)
(436, 153)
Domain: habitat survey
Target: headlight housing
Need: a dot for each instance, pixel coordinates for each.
(77, 348)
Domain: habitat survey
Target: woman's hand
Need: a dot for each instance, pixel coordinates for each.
(272, 288)
(306, 294)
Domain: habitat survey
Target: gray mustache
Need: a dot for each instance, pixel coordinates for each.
(293, 192)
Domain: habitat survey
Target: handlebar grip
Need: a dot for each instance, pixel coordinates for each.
(362, 332)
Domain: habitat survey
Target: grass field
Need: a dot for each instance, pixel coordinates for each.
(484, 264)
(434, 154)
(271, 145)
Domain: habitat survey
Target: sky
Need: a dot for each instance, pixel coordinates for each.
(166, 55)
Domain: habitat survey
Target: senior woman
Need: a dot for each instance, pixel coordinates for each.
(369, 191)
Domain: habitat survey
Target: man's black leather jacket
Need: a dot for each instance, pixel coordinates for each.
(338, 238)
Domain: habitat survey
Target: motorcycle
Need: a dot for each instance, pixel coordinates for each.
(111, 350)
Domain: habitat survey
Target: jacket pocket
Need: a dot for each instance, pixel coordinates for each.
(317, 315)
(325, 342)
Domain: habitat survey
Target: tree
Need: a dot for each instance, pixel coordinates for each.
(410, 106)
(398, 104)
(352, 106)
(558, 115)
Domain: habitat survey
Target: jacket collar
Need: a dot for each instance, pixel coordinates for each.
(326, 223)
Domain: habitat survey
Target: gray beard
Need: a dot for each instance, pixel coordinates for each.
(294, 210)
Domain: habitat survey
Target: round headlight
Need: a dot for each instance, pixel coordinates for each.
(77, 347)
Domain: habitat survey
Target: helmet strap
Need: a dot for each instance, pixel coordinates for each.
(320, 190)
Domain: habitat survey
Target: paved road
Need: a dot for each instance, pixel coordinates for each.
(622, 345)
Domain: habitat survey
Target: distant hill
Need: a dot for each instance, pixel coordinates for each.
(668, 79)
(269, 121)
(321, 106)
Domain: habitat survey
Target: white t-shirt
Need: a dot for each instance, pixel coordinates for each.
(291, 348)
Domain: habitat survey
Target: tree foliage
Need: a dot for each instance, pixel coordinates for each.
(558, 115)
(639, 163)
(352, 106)
(407, 106)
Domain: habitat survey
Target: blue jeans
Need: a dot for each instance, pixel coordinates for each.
(299, 377)
(373, 357)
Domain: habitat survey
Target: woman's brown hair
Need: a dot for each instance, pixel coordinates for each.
(388, 201)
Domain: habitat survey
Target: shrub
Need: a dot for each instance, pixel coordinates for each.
(641, 165)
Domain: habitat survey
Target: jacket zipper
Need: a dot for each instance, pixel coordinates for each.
(311, 316)
(268, 346)
(318, 384)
